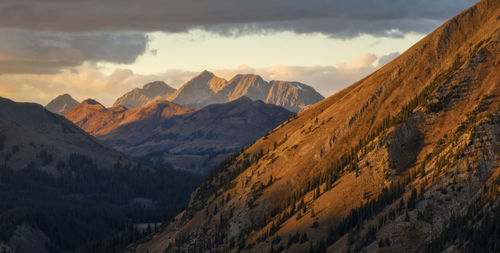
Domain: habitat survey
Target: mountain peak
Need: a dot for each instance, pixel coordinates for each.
(61, 104)
(239, 77)
(154, 85)
(206, 73)
(90, 101)
(141, 96)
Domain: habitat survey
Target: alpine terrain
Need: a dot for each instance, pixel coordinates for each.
(407, 158)
(165, 134)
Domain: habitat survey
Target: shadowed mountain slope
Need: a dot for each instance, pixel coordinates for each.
(200, 140)
(62, 190)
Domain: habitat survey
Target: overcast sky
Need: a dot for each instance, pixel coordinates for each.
(103, 48)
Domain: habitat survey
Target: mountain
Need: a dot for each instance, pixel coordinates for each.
(207, 89)
(197, 89)
(63, 190)
(98, 120)
(200, 140)
(169, 135)
(139, 97)
(407, 158)
(61, 104)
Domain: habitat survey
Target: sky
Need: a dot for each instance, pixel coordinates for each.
(101, 49)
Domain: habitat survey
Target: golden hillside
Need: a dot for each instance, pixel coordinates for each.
(384, 165)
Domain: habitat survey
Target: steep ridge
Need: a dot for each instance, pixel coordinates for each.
(207, 89)
(141, 96)
(405, 158)
(199, 140)
(61, 104)
(54, 176)
(98, 120)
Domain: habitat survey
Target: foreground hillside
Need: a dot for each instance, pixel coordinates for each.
(405, 159)
(169, 135)
(62, 190)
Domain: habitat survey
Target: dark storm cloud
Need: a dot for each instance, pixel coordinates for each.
(45, 36)
(337, 18)
(24, 51)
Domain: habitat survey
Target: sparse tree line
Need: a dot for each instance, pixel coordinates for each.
(291, 205)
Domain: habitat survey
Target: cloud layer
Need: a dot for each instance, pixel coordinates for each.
(338, 18)
(23, 51)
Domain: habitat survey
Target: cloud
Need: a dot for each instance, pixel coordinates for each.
(338, 18)
(23, 51)
(82, 82)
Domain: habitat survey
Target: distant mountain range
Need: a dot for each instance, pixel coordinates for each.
(166, 134)
(206, 89)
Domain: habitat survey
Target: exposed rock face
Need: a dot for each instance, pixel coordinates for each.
(408, 157)
(61, 104)
(139, 97)
(207, 89)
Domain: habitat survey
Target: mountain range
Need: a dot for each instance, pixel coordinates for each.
(206, 89)
(407, 158)
(166, 134)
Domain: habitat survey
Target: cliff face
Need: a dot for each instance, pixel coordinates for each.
(407, 157)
